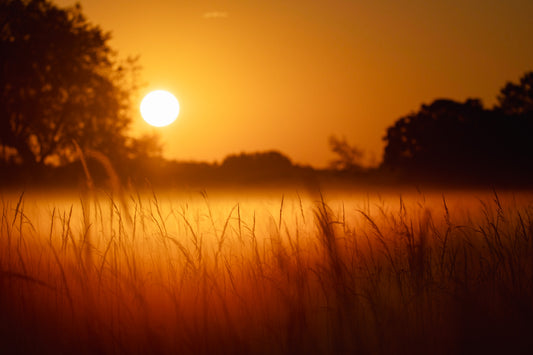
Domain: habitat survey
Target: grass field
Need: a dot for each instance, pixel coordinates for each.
(266, 272)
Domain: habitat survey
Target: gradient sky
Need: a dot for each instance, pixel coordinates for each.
(285, 75)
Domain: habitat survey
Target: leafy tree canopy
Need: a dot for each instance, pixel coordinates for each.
(349, 158)
(517, 99)
(60, 82)
(465, 138)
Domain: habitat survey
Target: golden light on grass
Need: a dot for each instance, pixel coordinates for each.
(160, 108)
(227, 274)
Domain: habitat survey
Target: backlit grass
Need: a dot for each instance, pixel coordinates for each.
(266, 273)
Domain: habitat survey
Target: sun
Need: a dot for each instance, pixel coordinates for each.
(160, 108)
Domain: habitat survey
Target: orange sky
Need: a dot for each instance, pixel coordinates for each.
(285, 75)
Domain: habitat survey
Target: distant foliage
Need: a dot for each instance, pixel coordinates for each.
(349, 158)
(517, 99)
(257, 167)
(267, 161)
(60, 81)
(461, 139)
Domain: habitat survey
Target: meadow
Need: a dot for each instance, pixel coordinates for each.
(266, 272)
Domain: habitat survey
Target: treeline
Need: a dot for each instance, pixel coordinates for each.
(464, 141)
(243, 169)
(259, 169)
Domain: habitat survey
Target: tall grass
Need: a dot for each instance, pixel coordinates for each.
(203, 275)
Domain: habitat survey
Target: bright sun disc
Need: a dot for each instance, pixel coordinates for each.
(160, 108)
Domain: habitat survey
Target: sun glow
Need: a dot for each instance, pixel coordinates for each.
(160, 108)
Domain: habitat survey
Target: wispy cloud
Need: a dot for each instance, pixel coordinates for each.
(215, 15)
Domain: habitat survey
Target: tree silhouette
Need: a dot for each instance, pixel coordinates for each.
(348, 157)
(517, 99)
(441, 135)
(449, 138)
(264, 162)
(259, 166)
(60, 82)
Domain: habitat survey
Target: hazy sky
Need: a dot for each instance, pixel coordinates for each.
(285, 75)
